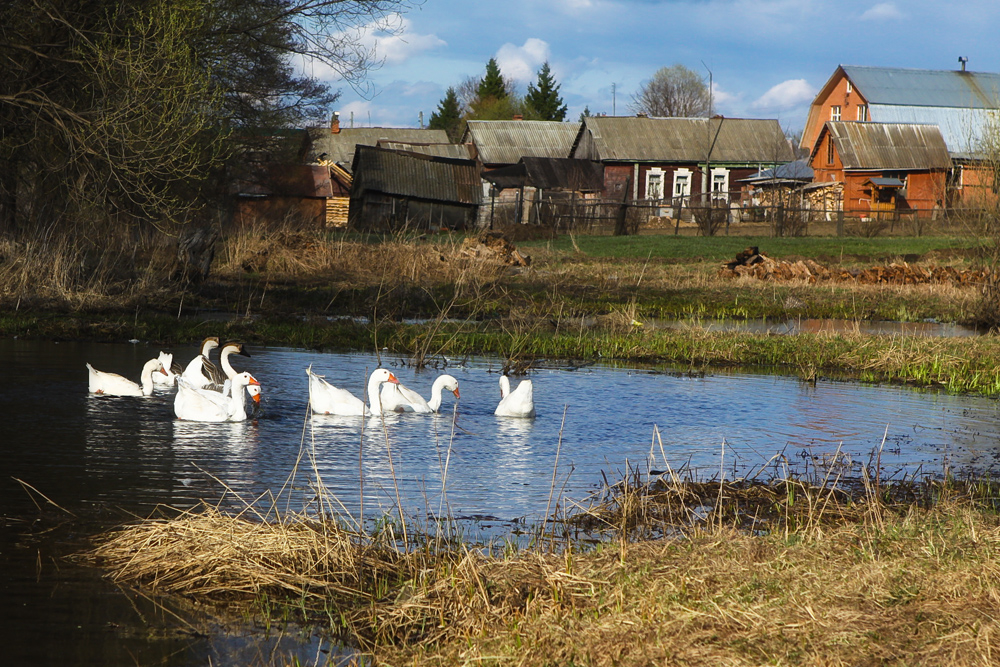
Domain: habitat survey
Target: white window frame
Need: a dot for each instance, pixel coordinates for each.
(654, 172)
(682, 178)
(835, 112)
(863, 113)
(717, 193)
(850, 87)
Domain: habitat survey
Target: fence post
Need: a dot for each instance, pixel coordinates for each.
(840, 222)
(780, 222)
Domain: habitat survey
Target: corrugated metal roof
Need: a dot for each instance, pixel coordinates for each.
(926, 87)
(884, 146)
(457, 151)
(507, 141)
(339, 148)
(961, 128)
(549, 174)
(641, 139)
(418, 176)
(798, 171)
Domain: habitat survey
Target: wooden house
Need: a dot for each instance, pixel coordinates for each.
(297, 195)
(549, 191)
(401, 190)
(884, 167)
(961, 103)
(679, 160)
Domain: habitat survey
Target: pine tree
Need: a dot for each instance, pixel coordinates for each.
(543, 97)
(448, 116)
(492, 85)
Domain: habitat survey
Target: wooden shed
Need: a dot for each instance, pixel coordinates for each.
(397, 190)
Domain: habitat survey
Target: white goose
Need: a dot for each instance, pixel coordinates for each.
(399, 398)
(325, 399)
(112, 384)
(199, 371)
(167, 378)
(517, 403)
(219, 382)
(204, 405)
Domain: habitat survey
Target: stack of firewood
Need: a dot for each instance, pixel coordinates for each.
(755, 264)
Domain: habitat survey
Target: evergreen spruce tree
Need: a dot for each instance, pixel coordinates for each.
(491, 86)
(543, 97)
(585, 113)
(448, 116)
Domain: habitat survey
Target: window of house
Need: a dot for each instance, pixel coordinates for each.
(835, 112)
(720, 184)
(654, 183)
(849, 86)
(863, 112)
(682, 183)
(829, 150)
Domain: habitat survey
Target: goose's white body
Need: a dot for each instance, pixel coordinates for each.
(517, 403)
(204, 405)
(167, 378)
(198, 372)
(325, 399)
(399, 398)
(223, 385)
(113, 384)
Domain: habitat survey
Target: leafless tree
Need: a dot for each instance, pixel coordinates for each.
(673, 91)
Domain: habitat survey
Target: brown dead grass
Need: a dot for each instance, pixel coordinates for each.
(820, 580)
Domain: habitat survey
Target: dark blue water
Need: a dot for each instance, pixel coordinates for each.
(75, 464)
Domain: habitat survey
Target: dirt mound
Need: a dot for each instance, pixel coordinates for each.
(755, 264)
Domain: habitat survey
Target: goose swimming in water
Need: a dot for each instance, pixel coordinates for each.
(517, 403)
(325, 399)
(113, 384)
(400, 398)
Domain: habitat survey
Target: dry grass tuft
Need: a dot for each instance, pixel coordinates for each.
(818, 576)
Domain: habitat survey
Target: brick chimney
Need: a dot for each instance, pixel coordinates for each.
(518, 116)
(335, 123)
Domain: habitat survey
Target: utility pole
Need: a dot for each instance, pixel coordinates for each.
(614, 111)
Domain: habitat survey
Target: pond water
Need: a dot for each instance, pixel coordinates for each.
(75, 464)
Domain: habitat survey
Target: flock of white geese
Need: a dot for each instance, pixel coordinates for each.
(207, 394)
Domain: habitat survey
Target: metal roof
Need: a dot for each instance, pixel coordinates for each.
(287, 180)
(961, 128)
(549, 174)
(897, 146)
(507, 141)
(796, 171)
(886, 182)
(339, 148)
(457, 151)
(926, 87)
(642, 139)
(423, 177)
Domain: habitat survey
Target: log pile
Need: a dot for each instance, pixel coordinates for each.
(755, 264)
(494, 246)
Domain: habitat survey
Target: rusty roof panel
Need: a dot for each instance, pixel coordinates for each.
(642, 139)
(901, 146)
(424, 177)
(507, 141)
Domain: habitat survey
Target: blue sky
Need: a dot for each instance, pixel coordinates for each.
(768, 58)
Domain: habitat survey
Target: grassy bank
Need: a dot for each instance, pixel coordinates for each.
(580, 299)
(778, 573)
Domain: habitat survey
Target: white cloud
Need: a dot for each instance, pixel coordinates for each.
(786, 95)
(394, 41)
(521, 63)
(883, 11)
